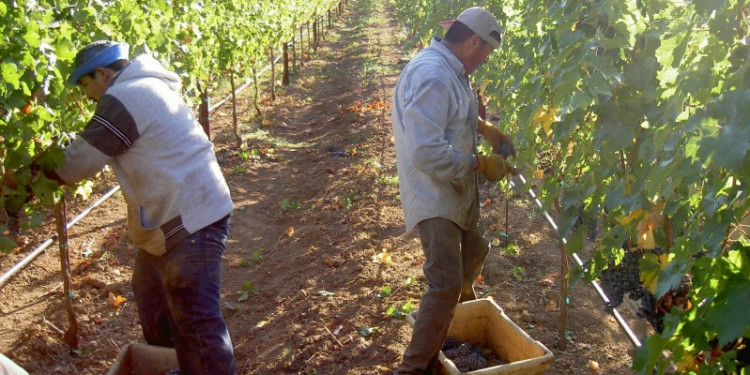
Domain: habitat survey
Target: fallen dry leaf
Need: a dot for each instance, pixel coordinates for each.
(550, 305)
(334, 261)
(383, 257)
(115, 301)
(290, 231)
(236, 262)
(593, 365)
(546, 282)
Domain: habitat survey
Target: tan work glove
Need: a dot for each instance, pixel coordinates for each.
(501, 143)
(494, 167)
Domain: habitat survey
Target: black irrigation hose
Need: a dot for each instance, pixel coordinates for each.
(631, 335)
(26, 260)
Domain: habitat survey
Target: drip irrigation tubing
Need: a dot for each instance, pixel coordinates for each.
(628, 331)
(28, 258)
(31, 256)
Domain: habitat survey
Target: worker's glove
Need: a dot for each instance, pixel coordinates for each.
(494, 167)
(501, 143)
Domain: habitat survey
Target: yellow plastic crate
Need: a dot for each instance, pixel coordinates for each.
(143, 359)
(482, 322)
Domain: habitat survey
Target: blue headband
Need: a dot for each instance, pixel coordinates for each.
(104, 58)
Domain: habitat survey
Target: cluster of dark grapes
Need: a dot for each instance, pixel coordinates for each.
(624, 278)
(617, 281)
(653, 310)
(587, 220)
(743, 353)
(740, 346)
(468, 357)
(14, 223)
(648, 311)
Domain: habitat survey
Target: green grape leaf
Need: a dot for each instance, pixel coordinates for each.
(6, 244)
(65, 50)
(729, 313)
(670, 277)
(11, 74)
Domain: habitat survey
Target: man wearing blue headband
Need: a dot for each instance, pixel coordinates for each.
(178, 201)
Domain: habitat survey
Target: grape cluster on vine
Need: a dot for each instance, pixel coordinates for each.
(624, 279)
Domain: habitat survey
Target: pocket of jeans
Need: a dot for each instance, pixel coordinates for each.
(212, 247)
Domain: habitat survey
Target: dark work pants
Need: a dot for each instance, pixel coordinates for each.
(454, 259)
(178, 301)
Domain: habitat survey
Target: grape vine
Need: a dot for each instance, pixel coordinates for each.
(641, 111)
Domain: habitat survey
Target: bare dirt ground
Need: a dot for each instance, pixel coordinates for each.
(317, 234)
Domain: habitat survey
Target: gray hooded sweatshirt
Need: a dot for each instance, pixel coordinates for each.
(161, 156)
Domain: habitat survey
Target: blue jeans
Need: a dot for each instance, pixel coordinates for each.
(178, 301)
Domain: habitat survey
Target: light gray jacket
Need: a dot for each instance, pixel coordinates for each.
(435, 128)
(161, 156)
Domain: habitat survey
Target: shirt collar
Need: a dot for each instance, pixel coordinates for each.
(117, 74)
(456, 64)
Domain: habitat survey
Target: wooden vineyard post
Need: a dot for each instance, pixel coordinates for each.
(322, 26)
(294, 55)
(71, 335)
(256, 96)
(562, 323)
(315, 34)
(301, 45)
(204, 116)
(309, 40)
(235, 124)
(507, 218)
(273, 74)
(285, 77)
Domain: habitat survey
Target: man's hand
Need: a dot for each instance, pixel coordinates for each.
(501, 143)
(494, 167)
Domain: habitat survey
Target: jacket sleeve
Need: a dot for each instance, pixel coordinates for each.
(425, 121)
(109, 133)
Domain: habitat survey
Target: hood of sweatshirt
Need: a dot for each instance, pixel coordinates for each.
(145, 66)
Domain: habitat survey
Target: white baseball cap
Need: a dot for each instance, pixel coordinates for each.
(481, 22)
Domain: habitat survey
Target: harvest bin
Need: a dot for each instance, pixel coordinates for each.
(482, 322)
(143, 359)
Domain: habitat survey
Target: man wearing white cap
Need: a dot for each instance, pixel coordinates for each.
(436, 127)
(178, 201)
